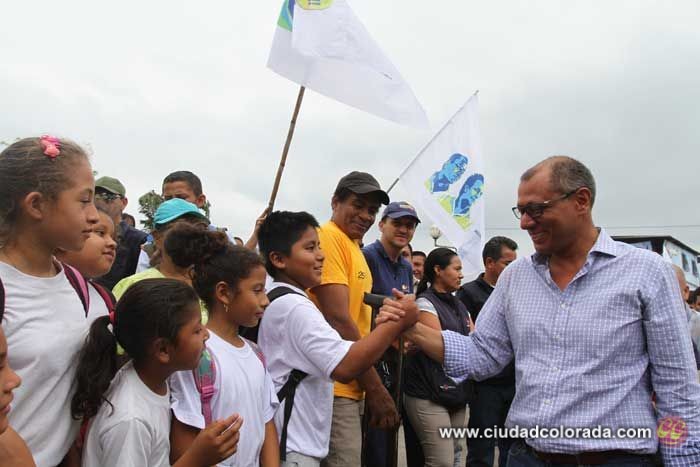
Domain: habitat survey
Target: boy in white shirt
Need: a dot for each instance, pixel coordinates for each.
(295, 336)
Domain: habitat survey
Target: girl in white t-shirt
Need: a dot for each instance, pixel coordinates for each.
(159, 325)
(231, 281)
(46, 203)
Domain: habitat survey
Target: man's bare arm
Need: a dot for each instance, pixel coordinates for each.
(429, 340)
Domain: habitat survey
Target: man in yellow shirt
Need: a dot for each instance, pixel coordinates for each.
(345, 279)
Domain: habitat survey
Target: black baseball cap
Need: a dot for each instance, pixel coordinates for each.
(362, 183)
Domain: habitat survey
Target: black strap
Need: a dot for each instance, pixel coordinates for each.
(278, 292)
(287, 392)
(2, 301)
(290, 387)
(252, 333)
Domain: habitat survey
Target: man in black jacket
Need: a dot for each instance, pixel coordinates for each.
(110, 196)
(493, 397)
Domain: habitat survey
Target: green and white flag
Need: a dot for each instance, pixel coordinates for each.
(446, 182)
(322, 45)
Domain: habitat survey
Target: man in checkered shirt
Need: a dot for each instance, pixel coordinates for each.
(595, 327)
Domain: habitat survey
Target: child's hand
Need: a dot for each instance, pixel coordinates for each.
(216, 442)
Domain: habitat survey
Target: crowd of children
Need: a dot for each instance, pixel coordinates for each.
(162, 376)
(175, 365)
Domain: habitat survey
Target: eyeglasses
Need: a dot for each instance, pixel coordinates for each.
(107, 196)
(535, 210)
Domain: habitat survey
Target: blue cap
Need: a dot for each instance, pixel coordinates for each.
(175, 208)
(400, 209)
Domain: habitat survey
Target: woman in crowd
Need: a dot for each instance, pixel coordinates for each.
(433, 400)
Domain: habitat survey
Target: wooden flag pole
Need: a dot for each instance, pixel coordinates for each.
(285, 151)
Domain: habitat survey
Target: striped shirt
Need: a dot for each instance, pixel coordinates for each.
(592, 354)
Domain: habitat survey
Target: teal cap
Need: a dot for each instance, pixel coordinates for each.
(175, 208)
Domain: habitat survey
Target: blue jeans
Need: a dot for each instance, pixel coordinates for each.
(522, 456)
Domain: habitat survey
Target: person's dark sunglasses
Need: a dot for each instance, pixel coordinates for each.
(535, 210)
(107, 196)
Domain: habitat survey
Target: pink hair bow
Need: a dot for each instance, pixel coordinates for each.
(51, 146)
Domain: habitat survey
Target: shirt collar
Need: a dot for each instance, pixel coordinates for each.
(377, 245)
(483, 282)
(603, 245)
(334, 226)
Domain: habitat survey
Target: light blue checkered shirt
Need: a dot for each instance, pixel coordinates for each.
(592, 354)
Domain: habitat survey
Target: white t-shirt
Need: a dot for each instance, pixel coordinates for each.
(242, 386)
(295, 335)
(98, 307)
(134, 431)
(45, 327)
(424, 304)
(143, 263)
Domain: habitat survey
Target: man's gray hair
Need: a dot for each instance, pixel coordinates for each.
(567, 175)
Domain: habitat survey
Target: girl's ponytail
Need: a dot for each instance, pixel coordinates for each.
(148, 310)
(422, 285)
(97, 365)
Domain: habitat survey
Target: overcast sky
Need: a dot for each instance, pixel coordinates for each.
(158, 86)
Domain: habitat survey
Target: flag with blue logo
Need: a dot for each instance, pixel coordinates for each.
(322, 45)
(446, 182)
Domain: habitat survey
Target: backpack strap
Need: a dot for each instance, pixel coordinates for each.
(288, 392)
(79, 283)
(204, 379)
(2, 300)
(289, 389)
(252, 333)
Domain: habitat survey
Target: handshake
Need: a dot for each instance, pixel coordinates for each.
(399, 308)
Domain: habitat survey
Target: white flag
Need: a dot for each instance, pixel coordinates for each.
(446, 182)
(321, 45)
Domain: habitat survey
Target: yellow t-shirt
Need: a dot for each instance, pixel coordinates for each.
(124, 284)
(345, 264)
(151, 273)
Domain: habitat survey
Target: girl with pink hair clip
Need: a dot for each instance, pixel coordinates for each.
(46, 203)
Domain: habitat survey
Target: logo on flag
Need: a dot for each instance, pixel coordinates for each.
(286, 15)
(446, 182)
(323, 46)
(441, 183)
(314, 4)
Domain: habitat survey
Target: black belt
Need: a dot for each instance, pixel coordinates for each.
(589, 458)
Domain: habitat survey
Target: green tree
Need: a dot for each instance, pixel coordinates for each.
(148, 204)
(207, 209)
